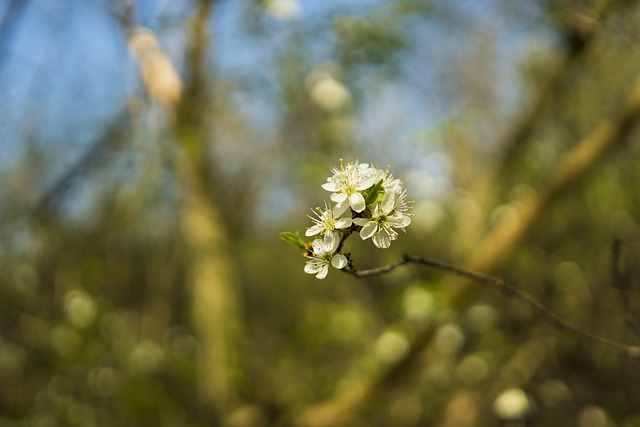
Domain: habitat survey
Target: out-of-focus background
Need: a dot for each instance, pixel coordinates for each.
(151, 151)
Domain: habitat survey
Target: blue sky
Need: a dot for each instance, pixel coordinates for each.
(63, 76)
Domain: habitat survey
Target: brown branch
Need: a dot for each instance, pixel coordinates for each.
(500, 285)
(375, 271)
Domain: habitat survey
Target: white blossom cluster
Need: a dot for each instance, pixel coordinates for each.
(364, 200)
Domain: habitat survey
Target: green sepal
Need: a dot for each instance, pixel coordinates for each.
(292, 239)
(374, 194)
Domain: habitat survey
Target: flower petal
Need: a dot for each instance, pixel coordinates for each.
(317, 246)
(322, 272)
(338, 210)
(382, 239)
(361, 221)
(331, 186)
(366, 182)
(368, 229)
(330, 242)
(388, 202)
(311, 268)
(357, 202)
(338, 198)
(343, 223)
(339, 261)
(312, 231)
(399, 220)
(343, 205)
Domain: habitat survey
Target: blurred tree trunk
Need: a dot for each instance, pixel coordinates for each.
(211, 272)
(213, 285)
(211, 269)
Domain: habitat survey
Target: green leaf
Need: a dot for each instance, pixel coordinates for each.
(292, 239)
(374, 194)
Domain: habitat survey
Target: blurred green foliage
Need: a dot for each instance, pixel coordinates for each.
(96, 325)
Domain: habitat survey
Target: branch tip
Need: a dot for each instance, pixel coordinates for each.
(499, 284)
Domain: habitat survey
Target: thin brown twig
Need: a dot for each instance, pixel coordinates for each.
(579, 30)
(375, 271)
(500, 285)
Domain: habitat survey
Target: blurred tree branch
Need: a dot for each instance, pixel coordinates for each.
(113, 136)
(579, 30)
(335, 411)
(498, 242)
(42, 205)
(500, 285)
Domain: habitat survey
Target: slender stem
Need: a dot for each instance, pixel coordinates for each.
(376, 271)
(499, 284)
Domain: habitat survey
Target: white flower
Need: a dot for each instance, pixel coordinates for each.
(386, 215)
(323, 254)
(347, 183)
(329, 220)
(403, 205)
(392, 185)
(389, 183)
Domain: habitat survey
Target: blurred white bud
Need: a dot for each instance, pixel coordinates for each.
(449, 339)
(482, 317)
(158, 73)
(473, 369)
(146, 357)
(418, 304)
(391, 346)
(326, 91)
(284, 10)
(592, 416)
(512, 404)
(80, 309)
